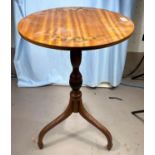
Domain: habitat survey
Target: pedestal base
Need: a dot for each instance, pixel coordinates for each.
(75, 103)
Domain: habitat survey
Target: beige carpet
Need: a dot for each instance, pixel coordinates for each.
(32, 108)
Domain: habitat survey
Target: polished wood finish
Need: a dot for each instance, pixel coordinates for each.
(84, 28)
(75, 29)
(75, 103)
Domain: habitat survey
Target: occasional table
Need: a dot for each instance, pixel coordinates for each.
(75, 29)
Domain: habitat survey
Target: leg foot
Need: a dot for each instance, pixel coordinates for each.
(94, 122)
(52, 124)
(40, 144)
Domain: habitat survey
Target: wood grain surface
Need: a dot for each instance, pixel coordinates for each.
(75, 27)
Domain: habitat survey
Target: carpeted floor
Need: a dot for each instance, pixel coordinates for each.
(32, 108)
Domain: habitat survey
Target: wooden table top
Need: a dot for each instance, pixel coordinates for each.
(74, 27)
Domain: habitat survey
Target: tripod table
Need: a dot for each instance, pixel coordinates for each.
(75, 29)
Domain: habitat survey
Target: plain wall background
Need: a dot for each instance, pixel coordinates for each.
(135, 43)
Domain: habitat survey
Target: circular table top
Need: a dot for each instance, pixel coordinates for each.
(75, 27)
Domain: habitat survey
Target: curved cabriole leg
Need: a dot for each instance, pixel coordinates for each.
(94, 122)
(76, 95)
(51, 125)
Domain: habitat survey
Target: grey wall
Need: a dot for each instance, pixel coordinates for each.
(135, 43)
